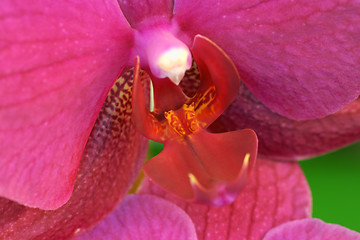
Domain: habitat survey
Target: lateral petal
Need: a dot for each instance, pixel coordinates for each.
(110, 163)
(285, 139)
(59, 60)
(300, 58)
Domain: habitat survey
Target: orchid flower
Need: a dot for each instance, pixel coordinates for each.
(196, 165)
(60, 60)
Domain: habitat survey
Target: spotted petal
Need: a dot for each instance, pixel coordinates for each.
(111, 161)
(58, 61)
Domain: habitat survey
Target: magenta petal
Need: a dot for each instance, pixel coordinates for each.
(286, 139)
(141, 12)
(58, 61)
(144, 217)
(111, 161)
(298, 57)
(311, 229)
(276, 193)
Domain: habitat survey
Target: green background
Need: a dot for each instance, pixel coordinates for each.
(334, 180)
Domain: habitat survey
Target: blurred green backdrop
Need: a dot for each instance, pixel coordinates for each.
(334, 180)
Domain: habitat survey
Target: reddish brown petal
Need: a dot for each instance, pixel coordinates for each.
(205, 168)
(58, 61)
(285, 139)
(167, 95)
(276, 193)
(111, 161)
(144, 120)
(219, 84)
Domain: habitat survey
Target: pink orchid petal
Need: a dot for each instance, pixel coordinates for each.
(144, 217)
(58, 61)
(277, 192)
(298, 57)
(111, 161)
(311, 229)
(286, 139)
(141, 12)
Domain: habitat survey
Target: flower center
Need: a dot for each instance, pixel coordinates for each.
(195, 165)
(173, 64)
(182, 121)
(165, 55)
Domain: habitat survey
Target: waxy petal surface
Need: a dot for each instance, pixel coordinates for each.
(58, 61)
(219, 84)
(311, 229)
(111, 161)
(275, 193)
(141, 217)
(145, 121)
(300, 58)
(285, 139)
(167, 95)
(217, 161)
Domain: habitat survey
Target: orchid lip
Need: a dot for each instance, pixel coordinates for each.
(195, 165)
(221, 193)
